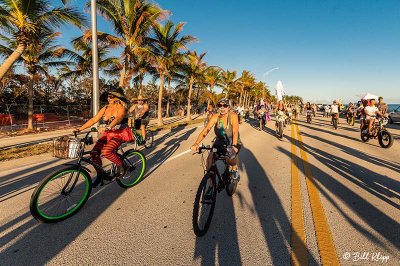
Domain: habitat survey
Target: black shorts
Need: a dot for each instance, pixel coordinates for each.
(141, 122)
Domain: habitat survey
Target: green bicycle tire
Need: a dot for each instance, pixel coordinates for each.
(123, 181)
(39, 214)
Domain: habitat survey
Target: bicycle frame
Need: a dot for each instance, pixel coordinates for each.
(214, 169)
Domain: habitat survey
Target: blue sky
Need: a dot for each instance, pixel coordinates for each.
(324, 49)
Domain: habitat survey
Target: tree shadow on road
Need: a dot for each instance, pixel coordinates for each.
(26, 241)
(366, 179)
(221, 237)
(275, 222)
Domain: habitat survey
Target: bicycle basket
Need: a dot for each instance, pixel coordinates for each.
(67, 148)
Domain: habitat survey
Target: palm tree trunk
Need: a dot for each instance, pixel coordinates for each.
(122, 77)
(240, 99)
(159, 108)
(140, 85)
(11, 60)
(168, 90)
(30, 101)
(188, 116)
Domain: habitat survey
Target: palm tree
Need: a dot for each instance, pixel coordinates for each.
(193, 70)
(132, 21)
(228, 81)
(212, 77)
(39, 55)
(83, 56)
(247, 81)
(24, 21)
(166, 47)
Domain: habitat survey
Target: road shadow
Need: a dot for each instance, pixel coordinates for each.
(357, 153)
(372, 182)
(34, 243)
(26, 241)
(221, 237)
(156, 159)
(275, 222)
(332, 131)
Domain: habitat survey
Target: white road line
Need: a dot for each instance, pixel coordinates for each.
(178, 155)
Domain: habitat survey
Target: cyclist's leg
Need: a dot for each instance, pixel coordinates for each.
(96, 151)
(109, 151)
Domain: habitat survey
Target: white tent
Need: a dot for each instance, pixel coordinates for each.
(280, 91)
(368, 96)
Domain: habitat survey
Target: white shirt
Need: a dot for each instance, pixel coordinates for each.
(334, 109)
(371, 110)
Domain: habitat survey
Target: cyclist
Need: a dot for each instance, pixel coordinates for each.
(382, 106)
(261, 115)
(350, 112)
(335, 111)
(113, 126)
(226, 128)
(371, 111)
(140, 110)
(309, 110)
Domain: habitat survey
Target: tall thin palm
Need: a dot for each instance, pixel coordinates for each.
(193, 70)
(24, 21)
(212, 77)
(166, 48)
(228, 81)
(132, 21)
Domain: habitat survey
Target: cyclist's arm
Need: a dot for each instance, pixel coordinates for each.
(235, 128)
(132, 109)
(120, 114)
(145, 109)
(94, 119)
(207, 129)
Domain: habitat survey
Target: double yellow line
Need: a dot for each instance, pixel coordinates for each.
(298, 241)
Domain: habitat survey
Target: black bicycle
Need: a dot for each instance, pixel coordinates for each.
(63, 193)
(335, 118)
(212, 183)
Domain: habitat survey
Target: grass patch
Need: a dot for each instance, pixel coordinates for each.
(20, 152)
(177, 124)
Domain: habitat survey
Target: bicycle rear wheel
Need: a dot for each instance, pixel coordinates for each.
(149, 139)
(335, 123)
(60, 195)
(203, 209)
(136, 162)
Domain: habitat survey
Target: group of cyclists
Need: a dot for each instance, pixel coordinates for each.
(116, 121)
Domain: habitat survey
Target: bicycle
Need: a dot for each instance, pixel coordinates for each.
(219, 182)
(335, 118)
(63, 193)
(139, 138)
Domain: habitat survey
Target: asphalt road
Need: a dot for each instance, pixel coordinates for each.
(318, 196)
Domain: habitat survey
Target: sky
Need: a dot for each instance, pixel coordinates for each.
(323, 49)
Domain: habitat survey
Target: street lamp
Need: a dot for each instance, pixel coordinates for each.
(95, 100)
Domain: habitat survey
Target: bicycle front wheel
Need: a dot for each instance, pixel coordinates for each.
(60, 195)
(136, 162)
(204, 204)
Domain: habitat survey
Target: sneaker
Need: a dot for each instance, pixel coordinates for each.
(208, 195)
(121, 170)
(235, 175)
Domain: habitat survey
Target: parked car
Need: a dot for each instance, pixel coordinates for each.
(394, 116)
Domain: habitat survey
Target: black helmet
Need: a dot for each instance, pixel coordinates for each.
(113, 90)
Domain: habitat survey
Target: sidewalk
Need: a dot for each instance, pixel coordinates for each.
(41, 137)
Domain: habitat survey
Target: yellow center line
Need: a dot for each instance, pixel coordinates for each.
(326, 246)
(298, 236)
